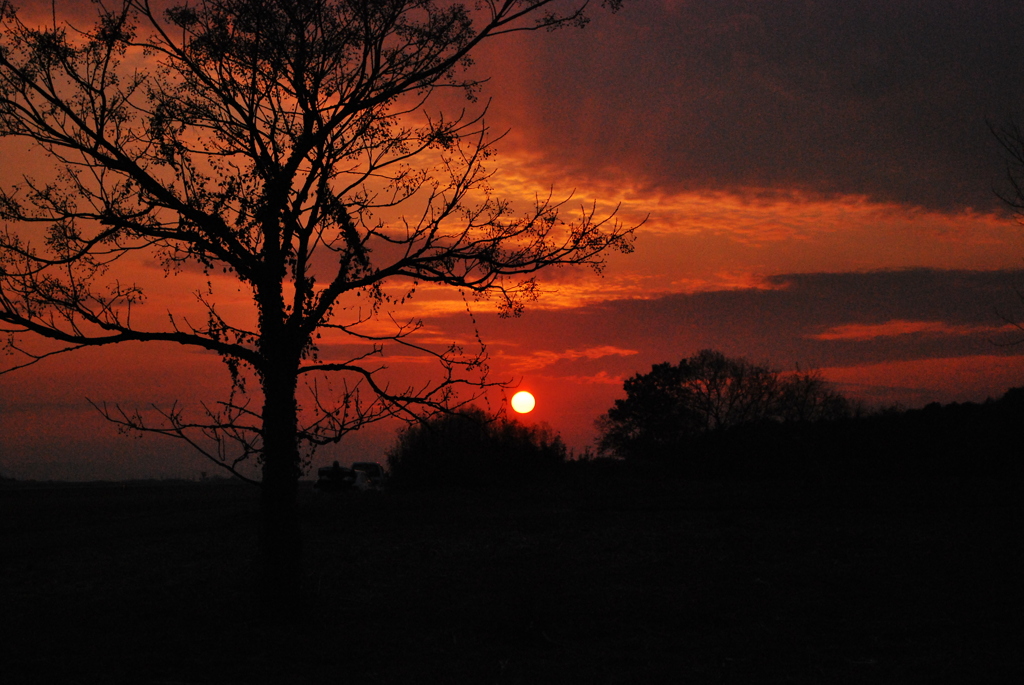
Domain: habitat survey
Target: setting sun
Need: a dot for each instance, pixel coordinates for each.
(523, 402)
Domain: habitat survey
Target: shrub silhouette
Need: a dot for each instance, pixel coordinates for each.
(470, 448)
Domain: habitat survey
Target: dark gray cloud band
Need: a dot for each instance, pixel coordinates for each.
(886, 99)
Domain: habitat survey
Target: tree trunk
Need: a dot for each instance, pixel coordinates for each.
(280, 541)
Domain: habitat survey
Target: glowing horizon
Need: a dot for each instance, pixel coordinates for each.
(834, 212)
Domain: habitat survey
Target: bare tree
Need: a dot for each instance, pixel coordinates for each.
(1011, 139)
(291, 144)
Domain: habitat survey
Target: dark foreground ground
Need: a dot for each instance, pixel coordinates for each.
(603, 579)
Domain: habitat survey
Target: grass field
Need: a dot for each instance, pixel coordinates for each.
(595, 580)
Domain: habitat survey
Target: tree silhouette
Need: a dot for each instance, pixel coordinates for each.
(290, 144)
(1010, 137)
(656, 416)
(672, 404)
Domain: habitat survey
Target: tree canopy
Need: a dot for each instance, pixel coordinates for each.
(674, 403)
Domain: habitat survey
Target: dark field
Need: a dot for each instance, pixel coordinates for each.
(601, 579)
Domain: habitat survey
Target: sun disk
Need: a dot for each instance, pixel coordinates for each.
(523, 402)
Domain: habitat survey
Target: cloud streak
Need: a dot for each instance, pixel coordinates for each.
(539, 359)
(900, 327)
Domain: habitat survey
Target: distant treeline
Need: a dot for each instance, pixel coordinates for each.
(715, 417)
(712, 416)
(957, 441)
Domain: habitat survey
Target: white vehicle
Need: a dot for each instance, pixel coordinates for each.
(370, 475)
(334, 478)
(362, 476)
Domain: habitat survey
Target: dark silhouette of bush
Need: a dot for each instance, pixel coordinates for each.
(470, 448)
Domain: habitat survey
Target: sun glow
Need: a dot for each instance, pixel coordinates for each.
(523, 402)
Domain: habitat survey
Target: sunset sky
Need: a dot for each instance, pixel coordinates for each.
(817, 179)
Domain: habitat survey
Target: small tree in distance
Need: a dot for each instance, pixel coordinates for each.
(288, 147)
(672, 404)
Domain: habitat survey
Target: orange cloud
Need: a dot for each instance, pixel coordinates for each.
(702, 240)
(539, 359)
(599, 378)
(897, 327)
